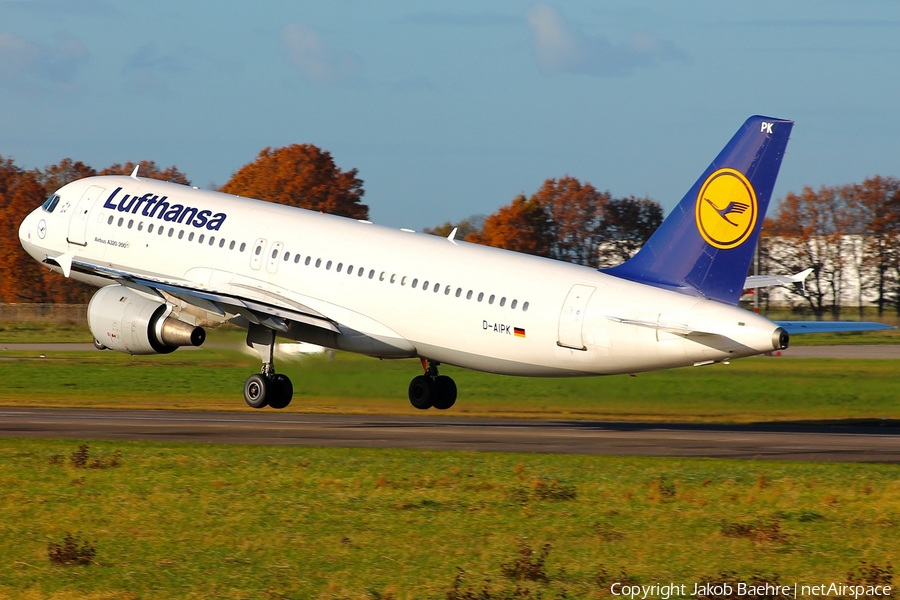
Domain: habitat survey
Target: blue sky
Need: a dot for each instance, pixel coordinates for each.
(451, 109)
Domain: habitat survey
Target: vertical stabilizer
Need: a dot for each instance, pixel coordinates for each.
(705, 246)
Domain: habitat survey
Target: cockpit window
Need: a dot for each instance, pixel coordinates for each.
(50, 203)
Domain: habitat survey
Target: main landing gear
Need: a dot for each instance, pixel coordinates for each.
(432, 389)
(266, 388)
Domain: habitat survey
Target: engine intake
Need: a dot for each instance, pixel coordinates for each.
(125, 320)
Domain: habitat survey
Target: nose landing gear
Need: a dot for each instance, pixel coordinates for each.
(432, 390)
(266, 388)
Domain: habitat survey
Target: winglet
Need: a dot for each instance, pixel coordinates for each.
(705, 246)
(134, 173)
(452, 236)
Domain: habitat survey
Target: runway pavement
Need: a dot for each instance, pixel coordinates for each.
(856, 441)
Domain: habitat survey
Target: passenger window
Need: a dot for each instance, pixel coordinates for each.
(258, 250)
(191, 236)
(371, 273)
(393, 278)
(180, 233)
(160, 230)
(437, 288)
(141, 226)
(287, 256)
(447, 291)
(200, 241)
(212, 239)
(458, 292)
(275, 253)
(480, 296)
(222, 243)
(381, 277)
(350, 270)
(231, 245)
(130, 223)
(243, 246)
(503, 301)
(524, 307)
(360, 272)
(415, 281)
(491, 299)
(328, 266)
(513, 305)
(318, 262)
(469, 295)
(150, 228)
(403, 281)
(296, 259)
(109, 220)
(121, 220)
(424, 286)
(307, 261)
(171, 231)
(340, 267)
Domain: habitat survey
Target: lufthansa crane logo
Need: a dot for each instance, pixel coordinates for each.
(726, 209)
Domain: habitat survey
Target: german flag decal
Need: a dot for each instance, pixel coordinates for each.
(519, 331)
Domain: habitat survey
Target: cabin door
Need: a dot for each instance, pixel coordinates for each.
(571, 319)
(79, 220)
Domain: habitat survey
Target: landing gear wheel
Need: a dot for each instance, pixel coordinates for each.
(422, 392)
(98, 345)
(257, 390)
(282, 391)
(446, 392)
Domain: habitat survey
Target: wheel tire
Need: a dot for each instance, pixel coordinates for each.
(446, 392)
(98, 345)
(422, 392)
(257, 390)
(283, 391)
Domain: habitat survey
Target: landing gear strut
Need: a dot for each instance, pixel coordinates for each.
(432, 389)
(266, 388)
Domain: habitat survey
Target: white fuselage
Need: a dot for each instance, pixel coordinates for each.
(484, 308)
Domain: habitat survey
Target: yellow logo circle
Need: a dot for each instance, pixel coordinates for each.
(726, 209)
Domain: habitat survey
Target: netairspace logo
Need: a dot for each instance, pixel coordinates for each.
(665, 591)
(157, 207)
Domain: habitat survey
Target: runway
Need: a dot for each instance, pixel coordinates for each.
(859, 441)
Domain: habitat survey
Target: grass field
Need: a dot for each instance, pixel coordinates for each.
(196, 521)
(748, 390)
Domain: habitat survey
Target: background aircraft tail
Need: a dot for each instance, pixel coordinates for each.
(705, 246)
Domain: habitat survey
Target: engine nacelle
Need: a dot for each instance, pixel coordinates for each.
(124, 320)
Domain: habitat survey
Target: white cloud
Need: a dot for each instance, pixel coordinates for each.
(25, 61)
(562, 49)
(317, 60)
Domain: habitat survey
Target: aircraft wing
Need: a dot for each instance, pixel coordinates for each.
(798, 327)
(271, 311)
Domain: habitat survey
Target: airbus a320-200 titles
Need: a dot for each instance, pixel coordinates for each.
(171, 261)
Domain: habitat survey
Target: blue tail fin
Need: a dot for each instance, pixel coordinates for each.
(705, 246)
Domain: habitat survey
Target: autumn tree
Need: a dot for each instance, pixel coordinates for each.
(469, 225)
(301, 175)
(627, 225)
(574, 212)
(521, 226)
(66, 171)
(878, 199)
(150, 170)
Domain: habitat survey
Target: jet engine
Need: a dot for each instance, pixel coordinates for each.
(128, 321)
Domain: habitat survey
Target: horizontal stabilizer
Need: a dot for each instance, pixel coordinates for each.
(796, 327)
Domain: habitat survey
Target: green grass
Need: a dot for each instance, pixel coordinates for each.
(198, 521)
(758, 389)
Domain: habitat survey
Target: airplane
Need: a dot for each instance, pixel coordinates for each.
(171, 260)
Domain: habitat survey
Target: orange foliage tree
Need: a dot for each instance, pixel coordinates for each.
(521, 226)
(301, 175)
